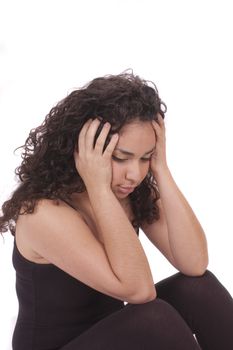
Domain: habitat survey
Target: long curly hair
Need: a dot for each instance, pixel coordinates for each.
(48, 168)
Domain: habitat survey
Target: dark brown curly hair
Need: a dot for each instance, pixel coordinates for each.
(48, 169)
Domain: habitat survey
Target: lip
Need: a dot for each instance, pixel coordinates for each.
(126, 189)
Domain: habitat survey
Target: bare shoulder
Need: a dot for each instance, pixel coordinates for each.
(52, 211)
(48, 218)
(48, 213)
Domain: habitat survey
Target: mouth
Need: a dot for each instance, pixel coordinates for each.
(126, 189)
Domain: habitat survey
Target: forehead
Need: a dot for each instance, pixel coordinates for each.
(137, 137)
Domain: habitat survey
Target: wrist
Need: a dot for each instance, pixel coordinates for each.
(160, 170)
(99, 190)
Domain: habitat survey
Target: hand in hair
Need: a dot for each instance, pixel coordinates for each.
(92, 163)
(158, 160)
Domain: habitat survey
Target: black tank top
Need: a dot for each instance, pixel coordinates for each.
(54, 307)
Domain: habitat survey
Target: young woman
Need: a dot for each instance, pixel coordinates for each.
(92, 174)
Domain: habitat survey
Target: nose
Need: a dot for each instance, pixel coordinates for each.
(134, 172)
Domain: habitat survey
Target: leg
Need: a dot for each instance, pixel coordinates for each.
(205, 305)
(155, 325)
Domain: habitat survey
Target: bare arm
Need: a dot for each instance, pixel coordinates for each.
(59, 234)
(181, 235)
(186, 238)
(123, 248)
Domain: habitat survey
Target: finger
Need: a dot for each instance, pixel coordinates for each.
(156, 127)
(111, 146)
(90, 135)
(100, 141)
(160, 120)
(82, 134)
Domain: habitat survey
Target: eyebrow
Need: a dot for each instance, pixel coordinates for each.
(130, 153)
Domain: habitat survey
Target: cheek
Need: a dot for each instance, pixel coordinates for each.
(146, 169)
(117, 172)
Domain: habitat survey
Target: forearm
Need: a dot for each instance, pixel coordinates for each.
(186, 237)
(123, 248)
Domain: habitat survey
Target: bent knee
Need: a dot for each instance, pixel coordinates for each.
(157, 319)
(206, 279)
(179, 287)
(198, 286)
(156, 311)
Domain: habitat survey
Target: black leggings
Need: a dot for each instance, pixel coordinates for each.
(184, 306)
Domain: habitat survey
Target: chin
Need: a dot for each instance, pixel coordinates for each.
(120, 195)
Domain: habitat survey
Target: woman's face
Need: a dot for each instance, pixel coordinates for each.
(131, 157)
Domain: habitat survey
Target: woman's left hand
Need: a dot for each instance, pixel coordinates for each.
(158, 159)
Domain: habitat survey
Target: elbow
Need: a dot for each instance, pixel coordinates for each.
(142, 298)
(202, 266)
(197, 270)
(149, 297)
(202, 269)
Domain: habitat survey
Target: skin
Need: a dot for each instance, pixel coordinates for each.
(130, 170)
(119, 169)
(177, 234)
(82, 241)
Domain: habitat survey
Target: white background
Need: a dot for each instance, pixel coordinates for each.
(48, 48)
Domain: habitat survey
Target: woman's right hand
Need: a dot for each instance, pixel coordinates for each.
(92, 164)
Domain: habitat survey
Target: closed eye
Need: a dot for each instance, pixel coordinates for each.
(122, 160)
